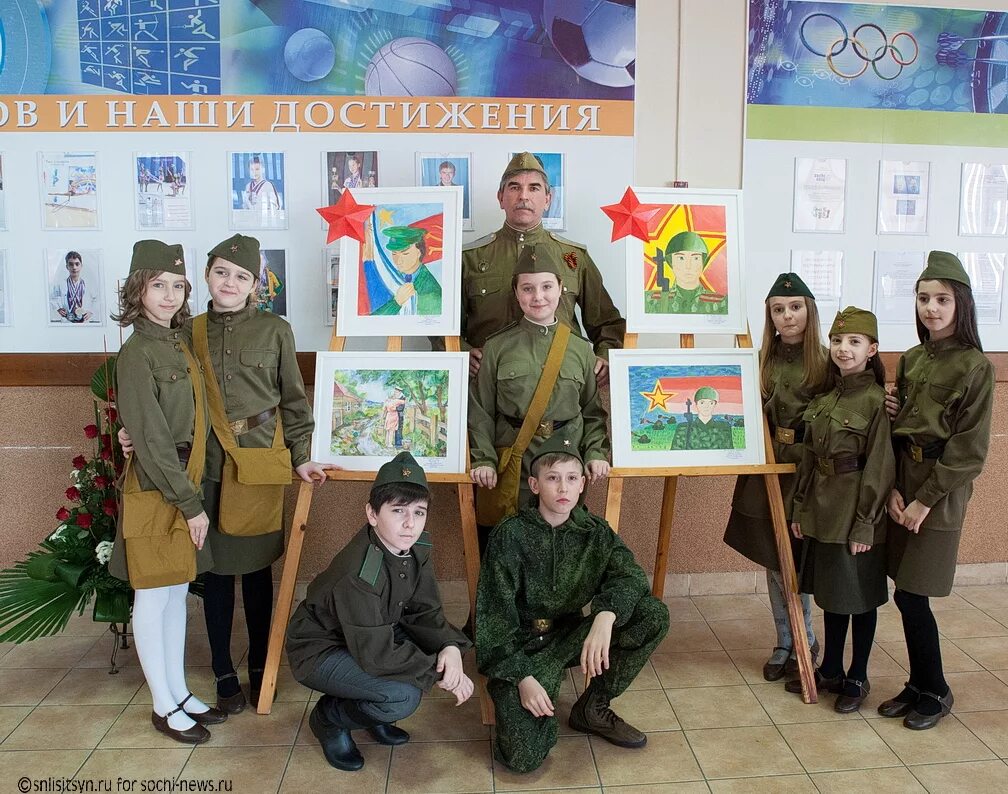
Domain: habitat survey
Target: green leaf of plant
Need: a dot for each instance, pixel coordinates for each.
(104, 379)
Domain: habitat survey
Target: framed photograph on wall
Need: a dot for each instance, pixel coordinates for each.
(258, 182)
(553, 164)
(820, 193)
(904, 186)
(68, 190)
(6, 304)
(371, 406)
(162, 192)
(688, 276)
(448, 170)
(347, 170)
(75, 286)
(986, 271)
(330, 272)
(983, 200)
(404, 279)
(686, 407)
(271, 292)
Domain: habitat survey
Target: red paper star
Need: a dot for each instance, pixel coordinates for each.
(630, 217)
(346, 218)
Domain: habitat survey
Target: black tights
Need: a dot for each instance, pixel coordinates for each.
(862, 636)
(218, 608)
(923, 647)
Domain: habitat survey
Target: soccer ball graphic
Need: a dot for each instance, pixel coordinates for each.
(411, 66)
(595, 37)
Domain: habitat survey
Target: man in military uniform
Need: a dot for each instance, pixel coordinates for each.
(488, 265)
(703, 431)
(371, 634)
(687, 254)
(542, 566)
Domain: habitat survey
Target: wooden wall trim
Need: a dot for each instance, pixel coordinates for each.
(75, 369)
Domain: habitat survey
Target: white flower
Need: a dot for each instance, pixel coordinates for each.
(58, 533)
(75, 475)
(103, 551)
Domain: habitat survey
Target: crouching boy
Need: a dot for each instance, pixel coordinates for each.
(371, 634)
(542, 566)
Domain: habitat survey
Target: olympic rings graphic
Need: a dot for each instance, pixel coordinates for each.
(860, 49)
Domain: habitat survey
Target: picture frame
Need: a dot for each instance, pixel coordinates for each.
(3, 195)
(372, 301)
(382, 403)
(709, 221)
(433, 168)
(69, 190)
(555, 166)
(904, 190)
(330, 276)
(652, 390)
(271, 292)
(257, 184)
(6, 304)
(83, 305)
(339, 173)
(162, 191)
(983, 200)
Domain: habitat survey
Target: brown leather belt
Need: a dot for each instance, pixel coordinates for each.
(830, 466)
(789, 435)
(921, 452)
(240, 426)
(544, 430)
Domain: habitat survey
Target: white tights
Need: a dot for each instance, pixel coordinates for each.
(159, 631)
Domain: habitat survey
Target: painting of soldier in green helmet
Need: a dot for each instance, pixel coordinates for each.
(680, 286)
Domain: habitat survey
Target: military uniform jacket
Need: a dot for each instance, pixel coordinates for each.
(532, 571)
(783, 407)
(489, 304)
(358, 602)
(686, 301)
(255, 363)
(513, 362)
(947, 395)
(694, 434)
(849, 421)
(154, 397)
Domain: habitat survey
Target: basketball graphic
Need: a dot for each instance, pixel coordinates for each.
(411, 66)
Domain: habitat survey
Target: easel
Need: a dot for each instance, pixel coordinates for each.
(292, 560)
(770, 471)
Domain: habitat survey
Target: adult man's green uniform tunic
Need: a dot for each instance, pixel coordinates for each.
(534, 581)
(715, 434)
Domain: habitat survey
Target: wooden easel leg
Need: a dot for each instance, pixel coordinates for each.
(664, 536)
(470, 548)
(285, 598)
(796, 617)
(614, 501)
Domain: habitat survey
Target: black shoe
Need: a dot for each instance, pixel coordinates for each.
(337, 744)
(902, 704)
(196, 734)
(211, 716)
(833, 685)
(387, 733)
(232, 704)
(853, 695)
(791, 665)
(773, 671)
(916, 721)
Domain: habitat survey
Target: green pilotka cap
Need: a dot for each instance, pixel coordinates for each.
(402, 237)
(524, 161)
(557, 443)
(789, 285)
(155, 255)
(706, 393)
(943, 266)
(402, 468)
(239, 249)
(853, 320)
(687, 241)
(538, 260)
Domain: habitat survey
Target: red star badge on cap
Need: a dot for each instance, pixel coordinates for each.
(346, 218)
(630, 217)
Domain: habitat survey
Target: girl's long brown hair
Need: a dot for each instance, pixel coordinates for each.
(131, 299)
(814, 356)
(966, 331)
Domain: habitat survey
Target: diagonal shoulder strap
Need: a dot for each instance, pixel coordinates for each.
(218, 416)
(544, 389)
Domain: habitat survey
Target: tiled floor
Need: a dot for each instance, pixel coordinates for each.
(713, 724)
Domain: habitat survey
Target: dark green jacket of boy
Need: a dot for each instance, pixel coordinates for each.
(513, 362)
(848, 422)
(947, 395)
(255, 362)
(359, 602)
(783, 407)
(532, 571)
(154, 397)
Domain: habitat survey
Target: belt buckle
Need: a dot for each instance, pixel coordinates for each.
(545, 429)
(825, 466)
(541, 625)
(785, 435)
(916, 453)
(239, 426)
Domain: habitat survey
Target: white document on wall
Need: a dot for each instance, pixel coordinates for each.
(822, 272)
(983, 200)
(820, 188)
(903, 196)
(896, 274)
(986, 272)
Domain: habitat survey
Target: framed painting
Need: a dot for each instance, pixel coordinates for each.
(686, 407)
(688, 276)
(371, 406)
(404, 279)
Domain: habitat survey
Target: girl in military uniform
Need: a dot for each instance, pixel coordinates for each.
(844, 478)
(161, 544)
(792, 364)
(941, 413)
